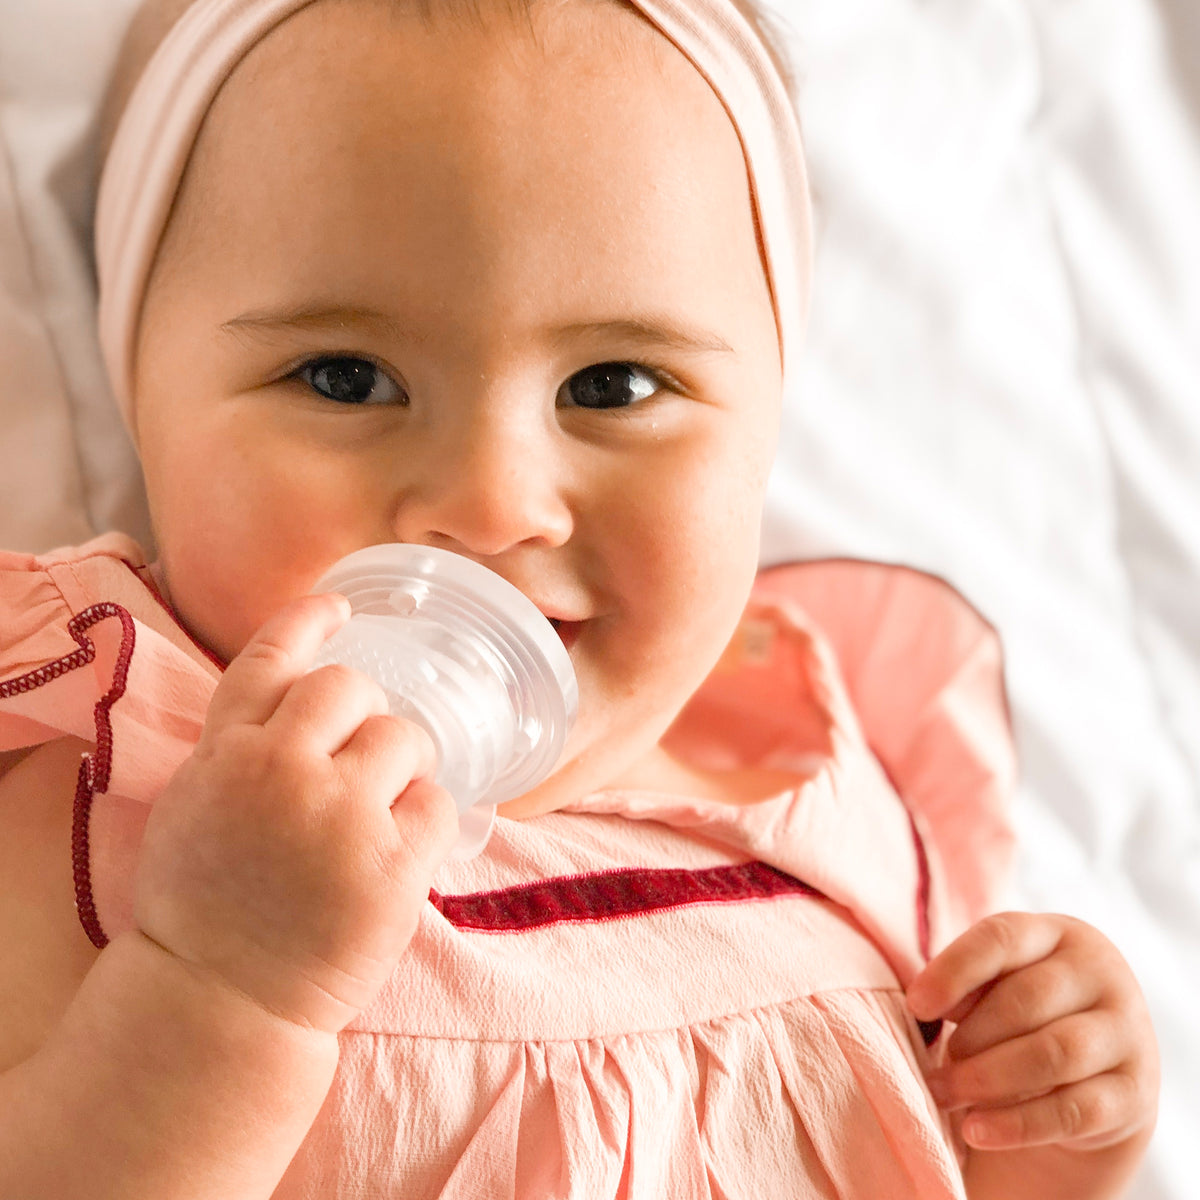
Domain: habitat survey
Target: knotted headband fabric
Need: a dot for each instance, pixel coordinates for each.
(163, 118)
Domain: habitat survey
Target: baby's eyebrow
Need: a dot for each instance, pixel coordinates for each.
(655, 330)
(316, 316)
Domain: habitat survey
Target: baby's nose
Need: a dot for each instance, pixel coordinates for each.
(486, 486)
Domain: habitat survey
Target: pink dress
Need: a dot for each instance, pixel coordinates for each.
(650, 995)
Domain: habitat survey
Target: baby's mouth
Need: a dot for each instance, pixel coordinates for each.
(567, 631)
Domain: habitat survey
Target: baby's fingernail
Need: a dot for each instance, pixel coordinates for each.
(979, 1131)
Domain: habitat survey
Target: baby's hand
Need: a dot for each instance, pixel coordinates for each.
(292, 853)
(1054, 1045)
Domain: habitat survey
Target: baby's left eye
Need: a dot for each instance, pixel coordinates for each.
(611, 385)
(350, 381)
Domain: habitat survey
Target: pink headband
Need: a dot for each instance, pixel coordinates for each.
(163, 118)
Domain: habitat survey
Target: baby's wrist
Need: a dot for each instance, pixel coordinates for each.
(149, 1047)
(1056, 1172)
(209, 994)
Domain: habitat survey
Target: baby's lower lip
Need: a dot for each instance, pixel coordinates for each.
(568, 631)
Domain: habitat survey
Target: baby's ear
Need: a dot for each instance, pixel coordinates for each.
(150, 24)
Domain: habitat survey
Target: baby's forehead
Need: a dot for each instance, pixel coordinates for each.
(154, 19)
(335, 40)
(361, 76)
(249, 101)
(539, 31)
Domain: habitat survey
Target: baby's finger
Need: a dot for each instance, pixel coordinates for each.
(1024, 1001)
(427, 823)
(995, 946)
(385, 755)
(1064, 1052)
(324, 708)
(274, 658)
(1099, 1111)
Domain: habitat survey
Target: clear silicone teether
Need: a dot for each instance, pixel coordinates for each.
(467, 656)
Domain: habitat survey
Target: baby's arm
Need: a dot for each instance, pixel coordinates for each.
(160, 1083)
(1053, 1066)
(279, 881)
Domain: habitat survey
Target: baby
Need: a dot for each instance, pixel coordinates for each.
(711, 954)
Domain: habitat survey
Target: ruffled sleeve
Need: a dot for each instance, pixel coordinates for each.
(88, 651)
(85, 645)
(55, 662)
(925, 674)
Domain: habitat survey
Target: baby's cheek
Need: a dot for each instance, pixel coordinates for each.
(223, 585)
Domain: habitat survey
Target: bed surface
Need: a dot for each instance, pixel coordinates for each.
(1002, 387)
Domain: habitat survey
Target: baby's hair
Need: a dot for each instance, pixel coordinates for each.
(155, 19)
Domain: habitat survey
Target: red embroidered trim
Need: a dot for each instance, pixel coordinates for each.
(924, 888)
(81, 866)
(930, 1030)
(95, 769)
(609, 895)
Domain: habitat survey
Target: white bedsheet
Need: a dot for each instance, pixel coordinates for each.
(1002, 387)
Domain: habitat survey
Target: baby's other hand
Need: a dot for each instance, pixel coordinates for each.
(290, 856)
(1054, 1045)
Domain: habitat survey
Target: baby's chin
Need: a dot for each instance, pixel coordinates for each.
(592, 771)
(566, 785)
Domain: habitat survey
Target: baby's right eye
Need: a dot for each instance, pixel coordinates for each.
(614, 385)
(347, 380)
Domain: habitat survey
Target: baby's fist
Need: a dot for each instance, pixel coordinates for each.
(1053, 1044)
(291, 855)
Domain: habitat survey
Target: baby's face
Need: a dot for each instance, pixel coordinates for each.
(471, 288)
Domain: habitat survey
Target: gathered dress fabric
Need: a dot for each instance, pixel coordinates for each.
(650, 994)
